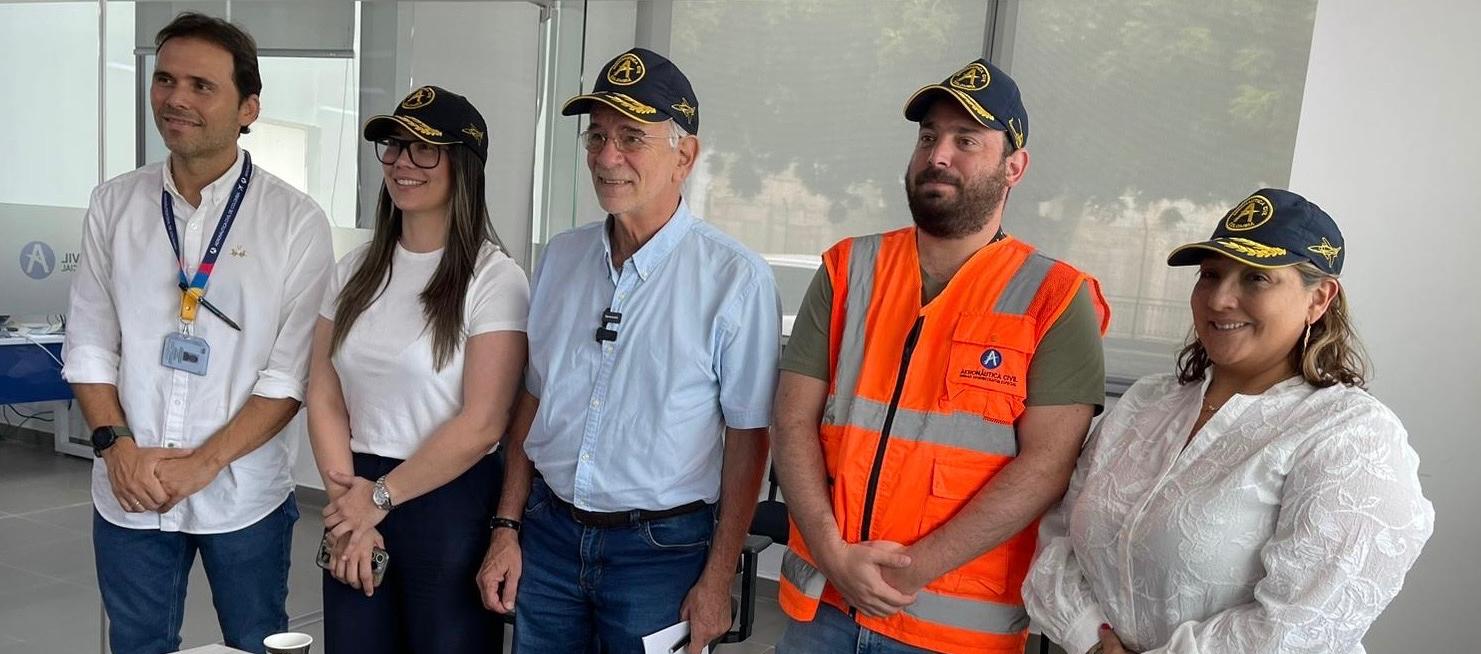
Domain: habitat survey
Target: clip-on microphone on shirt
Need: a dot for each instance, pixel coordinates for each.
(605, 333)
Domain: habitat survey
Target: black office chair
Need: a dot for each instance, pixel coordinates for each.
(768, 526)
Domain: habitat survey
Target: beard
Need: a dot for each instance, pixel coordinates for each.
(942, 216)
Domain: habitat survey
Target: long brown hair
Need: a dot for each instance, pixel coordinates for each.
(1331, 354)
(468, 229)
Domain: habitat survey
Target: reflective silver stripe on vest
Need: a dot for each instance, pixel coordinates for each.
(969, 614)
(860, 292)
(968, 431)
(802, 574)
(1024, 286)
(959, 612)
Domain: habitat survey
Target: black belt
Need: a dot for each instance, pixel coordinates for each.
(624, 518)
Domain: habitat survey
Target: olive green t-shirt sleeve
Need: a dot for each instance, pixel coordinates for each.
(807, 346)
(1069, 366)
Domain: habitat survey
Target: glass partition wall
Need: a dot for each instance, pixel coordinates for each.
(1148, 118)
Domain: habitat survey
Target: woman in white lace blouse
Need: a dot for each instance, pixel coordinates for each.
(1258, 500)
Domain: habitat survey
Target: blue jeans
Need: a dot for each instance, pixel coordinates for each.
(428, 602)
(143, 574)
(587, 585)
(833, 630)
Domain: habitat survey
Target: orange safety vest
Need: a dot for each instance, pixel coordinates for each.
(919, 418)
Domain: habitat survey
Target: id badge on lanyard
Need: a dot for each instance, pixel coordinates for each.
(183, 350)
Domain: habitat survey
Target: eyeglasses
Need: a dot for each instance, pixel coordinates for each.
(423, 155)
(626, 141)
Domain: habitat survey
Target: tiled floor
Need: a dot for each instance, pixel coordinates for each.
(48, 589)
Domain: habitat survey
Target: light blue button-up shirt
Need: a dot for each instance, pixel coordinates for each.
(638, 423)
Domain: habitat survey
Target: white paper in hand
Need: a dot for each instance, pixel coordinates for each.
(673, 640)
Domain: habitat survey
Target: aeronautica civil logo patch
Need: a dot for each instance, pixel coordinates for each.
(991, 358)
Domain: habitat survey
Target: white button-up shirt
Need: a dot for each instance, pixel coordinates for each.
(638, 422)
(1285, 526)
(268, 278)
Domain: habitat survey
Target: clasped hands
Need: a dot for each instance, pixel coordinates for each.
(146, 479)
(876, 577)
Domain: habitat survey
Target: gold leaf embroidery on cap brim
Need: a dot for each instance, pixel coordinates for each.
(972, 105)
(418, 126)
(627, 103)
(1251, 248)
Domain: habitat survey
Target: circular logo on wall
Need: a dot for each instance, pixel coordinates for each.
(991, 358)
(38, 260)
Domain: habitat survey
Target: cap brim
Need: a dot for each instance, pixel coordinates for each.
(622, 102)
(1266, 258)
(920, 102)
(385, 124)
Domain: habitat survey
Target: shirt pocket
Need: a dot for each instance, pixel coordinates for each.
(953, 485)
(987, 371)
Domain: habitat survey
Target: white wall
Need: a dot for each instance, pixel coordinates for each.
(1389, 144)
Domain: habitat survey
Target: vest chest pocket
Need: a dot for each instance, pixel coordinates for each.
(987, 372)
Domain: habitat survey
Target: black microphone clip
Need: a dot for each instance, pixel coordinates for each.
(604, 333)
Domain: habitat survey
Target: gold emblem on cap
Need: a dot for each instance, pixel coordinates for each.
(1326, 250)
(419, 98)
(684, 108)
(1251, 248)
(1253, 212)
(474, 132)
(628, 69)
(972, 78)
(1016, 131)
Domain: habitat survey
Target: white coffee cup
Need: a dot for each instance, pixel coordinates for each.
(288, 642)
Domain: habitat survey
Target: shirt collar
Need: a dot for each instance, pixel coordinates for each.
(653, 253)
(221, 185)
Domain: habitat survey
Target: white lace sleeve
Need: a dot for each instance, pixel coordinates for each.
(1056, 593)
(1352, 521)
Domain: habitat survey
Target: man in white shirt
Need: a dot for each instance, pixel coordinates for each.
(187, 365)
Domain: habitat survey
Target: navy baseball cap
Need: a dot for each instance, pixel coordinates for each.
(437, 116)
(644, 86)
(985, 91)
(1271, 229)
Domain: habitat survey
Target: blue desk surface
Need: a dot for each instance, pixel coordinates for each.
(28, 374)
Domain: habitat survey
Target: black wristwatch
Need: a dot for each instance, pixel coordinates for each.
(497, 522)
(104, 437)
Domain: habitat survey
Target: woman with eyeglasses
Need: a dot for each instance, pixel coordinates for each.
(417, 355)
(1257, 500)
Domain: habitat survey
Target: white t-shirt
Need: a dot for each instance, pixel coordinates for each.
(395, 395)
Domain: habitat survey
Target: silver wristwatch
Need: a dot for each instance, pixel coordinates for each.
(382, 495)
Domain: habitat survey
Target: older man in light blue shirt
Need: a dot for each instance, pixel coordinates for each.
(654, 341)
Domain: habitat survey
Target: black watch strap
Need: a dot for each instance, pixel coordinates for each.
(497, 522)
(104, 437)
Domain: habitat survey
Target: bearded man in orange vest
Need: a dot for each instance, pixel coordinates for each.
(934, 395)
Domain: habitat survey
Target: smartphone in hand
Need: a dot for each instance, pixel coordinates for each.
(379, 559)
